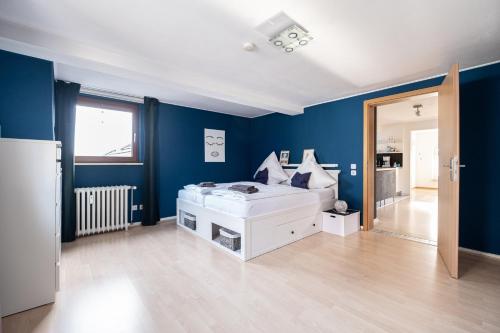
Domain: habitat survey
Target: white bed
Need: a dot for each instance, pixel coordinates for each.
(281, 197)
(275, 216)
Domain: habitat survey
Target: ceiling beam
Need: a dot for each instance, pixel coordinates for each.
(33, 42)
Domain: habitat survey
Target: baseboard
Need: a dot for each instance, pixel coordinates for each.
(480, 253)
(162, 220)
(168, 219)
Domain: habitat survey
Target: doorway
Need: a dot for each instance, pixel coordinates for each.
(449, 162)
(406, 177)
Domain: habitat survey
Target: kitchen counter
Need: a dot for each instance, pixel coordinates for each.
(385, 183)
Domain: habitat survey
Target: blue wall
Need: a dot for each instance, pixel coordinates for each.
(480, 152)
(26, 100)
(182, 158)
(335, 131)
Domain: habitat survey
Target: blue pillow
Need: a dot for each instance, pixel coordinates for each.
(262, 176)
(301, 179)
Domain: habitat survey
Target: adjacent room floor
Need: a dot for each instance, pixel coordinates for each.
(415, 215)
(161, 279)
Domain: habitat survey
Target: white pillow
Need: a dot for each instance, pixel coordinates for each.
(319, 177)
(276, 174)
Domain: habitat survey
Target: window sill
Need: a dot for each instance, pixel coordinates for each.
(103, 164)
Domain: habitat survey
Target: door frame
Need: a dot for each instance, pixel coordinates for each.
(370, 144)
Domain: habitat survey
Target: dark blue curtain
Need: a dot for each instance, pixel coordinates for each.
(150, 213)
(65, 97)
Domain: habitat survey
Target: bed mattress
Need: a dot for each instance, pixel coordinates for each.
(192, 196)
(198, 197)
(271, 198)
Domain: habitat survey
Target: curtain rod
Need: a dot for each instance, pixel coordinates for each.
(111, 94)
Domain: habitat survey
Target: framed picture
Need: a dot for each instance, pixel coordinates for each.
(308, 153)
(284, 157)
(215, 145)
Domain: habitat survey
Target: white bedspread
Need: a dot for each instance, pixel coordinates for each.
(272, 198)
(196, 194)
(265, 191)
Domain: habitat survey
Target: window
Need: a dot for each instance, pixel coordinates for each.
(105, 131)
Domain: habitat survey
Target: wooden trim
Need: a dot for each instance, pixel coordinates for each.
(369, 147)
(116, 106)
(401, 96)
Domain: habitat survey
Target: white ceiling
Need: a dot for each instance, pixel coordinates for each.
(403, 112)
(189, 52)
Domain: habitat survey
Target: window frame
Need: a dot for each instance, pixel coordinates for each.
(96, 102)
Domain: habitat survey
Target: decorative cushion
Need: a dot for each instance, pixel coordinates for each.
(276, 174)
(319, 177)
(301, 179)
(262, 176)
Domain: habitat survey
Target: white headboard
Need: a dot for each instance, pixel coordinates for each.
(290, 168)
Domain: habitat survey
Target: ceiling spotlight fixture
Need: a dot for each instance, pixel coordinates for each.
(291, 38)
(418, 113)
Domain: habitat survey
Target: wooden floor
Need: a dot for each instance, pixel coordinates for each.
(415, 216)
(161, 279)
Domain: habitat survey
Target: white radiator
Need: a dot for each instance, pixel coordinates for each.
(102, 209)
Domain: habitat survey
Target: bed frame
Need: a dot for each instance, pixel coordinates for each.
(259, 234)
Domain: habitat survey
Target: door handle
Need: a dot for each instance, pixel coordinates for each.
(454, 166)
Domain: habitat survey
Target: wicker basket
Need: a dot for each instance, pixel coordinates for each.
(189, 221)
(230, 239)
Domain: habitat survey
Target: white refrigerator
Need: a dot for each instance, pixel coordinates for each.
(30, 215)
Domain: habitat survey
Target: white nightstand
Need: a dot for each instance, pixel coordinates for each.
(342, 224)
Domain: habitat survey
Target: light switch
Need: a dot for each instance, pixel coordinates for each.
(353, 172)
(353, 166)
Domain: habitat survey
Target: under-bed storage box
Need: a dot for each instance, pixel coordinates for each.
(188, 220)
(230, 239)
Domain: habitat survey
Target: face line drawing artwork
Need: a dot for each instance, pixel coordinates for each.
(214, 145)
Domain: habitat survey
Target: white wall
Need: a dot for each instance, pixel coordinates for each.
(424, 158)
(402, 132)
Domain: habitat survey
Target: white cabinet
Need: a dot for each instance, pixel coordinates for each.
(29, 227)
(339, 224)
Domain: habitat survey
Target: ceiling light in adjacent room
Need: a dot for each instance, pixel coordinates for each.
(418, 113)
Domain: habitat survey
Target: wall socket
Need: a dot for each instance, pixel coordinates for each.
(134, 207)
